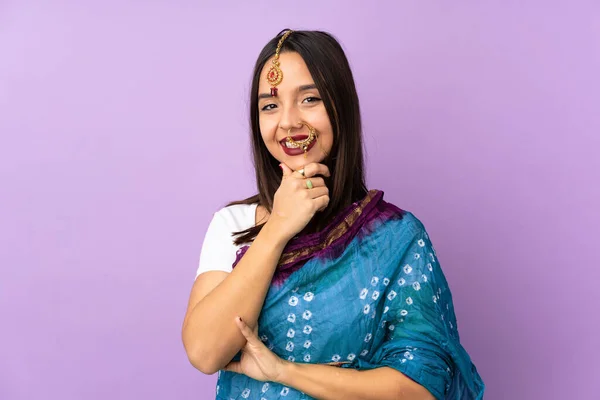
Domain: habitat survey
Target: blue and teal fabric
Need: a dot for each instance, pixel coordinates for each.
(366, 292)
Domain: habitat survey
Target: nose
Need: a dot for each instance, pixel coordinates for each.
(289, 119)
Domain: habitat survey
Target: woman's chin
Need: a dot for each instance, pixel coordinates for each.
(296, 163)
(299, 162)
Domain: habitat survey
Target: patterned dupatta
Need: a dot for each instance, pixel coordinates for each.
(365, 292)
(332, 240)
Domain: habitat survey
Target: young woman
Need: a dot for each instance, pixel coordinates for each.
(316, 287)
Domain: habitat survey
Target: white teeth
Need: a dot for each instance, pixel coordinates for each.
(289, 145)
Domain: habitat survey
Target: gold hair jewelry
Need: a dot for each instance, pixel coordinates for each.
(275, 75)
(312, 136)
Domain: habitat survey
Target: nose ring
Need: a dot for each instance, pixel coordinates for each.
(303, 143)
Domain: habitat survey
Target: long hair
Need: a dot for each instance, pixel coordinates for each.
(331, 73)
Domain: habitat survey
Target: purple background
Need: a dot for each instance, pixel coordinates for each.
(124, 127)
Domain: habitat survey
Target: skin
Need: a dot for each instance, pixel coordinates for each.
(298, 100)
(322, 381)
(209, 335)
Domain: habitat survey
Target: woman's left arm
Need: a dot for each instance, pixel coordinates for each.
(328, 382)
(321, 381)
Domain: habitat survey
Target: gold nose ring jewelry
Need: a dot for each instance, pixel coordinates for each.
(303, 144)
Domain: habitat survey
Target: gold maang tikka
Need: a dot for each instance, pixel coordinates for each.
(303, 144)
(274, 75)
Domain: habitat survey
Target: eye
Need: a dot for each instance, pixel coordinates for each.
(268, 107)
(311, 99)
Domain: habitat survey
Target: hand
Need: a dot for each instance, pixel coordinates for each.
(294, 205)
(257, 361)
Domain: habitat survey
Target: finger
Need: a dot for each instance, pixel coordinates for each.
(234, 366)
(303, 184)
(246, 331)
(317, 192)
(321, 202)
(313, 169)
(287, 171)
(297, 174)
(316, 182)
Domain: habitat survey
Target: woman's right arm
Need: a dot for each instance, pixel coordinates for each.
(210, 336)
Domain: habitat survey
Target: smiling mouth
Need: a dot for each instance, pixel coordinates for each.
(298, 144)
(285, 142)
(296, 148)
(296, 151)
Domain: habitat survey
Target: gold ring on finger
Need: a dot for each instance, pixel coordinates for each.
(301, 171)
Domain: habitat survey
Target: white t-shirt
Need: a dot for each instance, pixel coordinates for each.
(218, 250)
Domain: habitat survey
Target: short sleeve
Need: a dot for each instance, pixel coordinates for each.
(421, 337)
(218, 249)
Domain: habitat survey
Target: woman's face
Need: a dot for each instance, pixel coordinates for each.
(297, 100)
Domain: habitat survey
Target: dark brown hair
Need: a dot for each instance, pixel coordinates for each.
(331, 73)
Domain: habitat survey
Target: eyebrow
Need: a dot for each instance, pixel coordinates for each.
(300, 89)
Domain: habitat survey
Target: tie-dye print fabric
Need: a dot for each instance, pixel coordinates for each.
(369, 292)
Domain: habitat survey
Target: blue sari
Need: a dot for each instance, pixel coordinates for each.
(365, 292)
